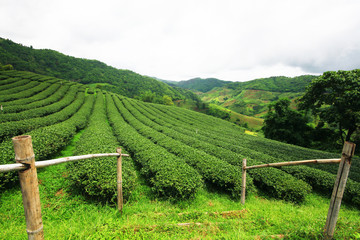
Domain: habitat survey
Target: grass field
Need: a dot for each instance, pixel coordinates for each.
(209, 215)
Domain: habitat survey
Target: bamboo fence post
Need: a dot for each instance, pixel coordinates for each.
(119, 181)
(29, 186)
(339, 187)
(243, 181)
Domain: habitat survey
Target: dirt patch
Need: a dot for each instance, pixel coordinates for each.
(234, 214)
(278, 236)
(59, 193)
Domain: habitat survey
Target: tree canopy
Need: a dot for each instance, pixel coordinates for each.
(335, 98)
(284, 124)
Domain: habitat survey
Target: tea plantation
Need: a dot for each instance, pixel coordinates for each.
(175, 152)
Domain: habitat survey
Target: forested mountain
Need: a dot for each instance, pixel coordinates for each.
(53, 63)
(201, 84)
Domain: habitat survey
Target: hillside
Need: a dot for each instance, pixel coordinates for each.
(33, 103)
(175, 154)
(251, 98)
(55, 64)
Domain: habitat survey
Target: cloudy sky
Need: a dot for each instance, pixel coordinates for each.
(181, 39)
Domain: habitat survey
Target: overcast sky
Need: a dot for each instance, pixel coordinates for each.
(180, 39)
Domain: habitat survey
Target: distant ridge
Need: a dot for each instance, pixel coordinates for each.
(202, 84)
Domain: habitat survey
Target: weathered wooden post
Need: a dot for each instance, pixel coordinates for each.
(243, 181)
(119, 181)
(339, 187)
(29, 186)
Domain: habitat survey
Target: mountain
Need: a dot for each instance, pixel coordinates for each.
(201, 84)
(55, 64)
(251, 98)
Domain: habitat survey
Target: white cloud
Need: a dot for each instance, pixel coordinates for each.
(176, 40)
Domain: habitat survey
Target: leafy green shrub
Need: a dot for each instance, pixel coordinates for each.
(263, 150)
(27, 90)
(47, 140)
(275, 181)
(169, 175)
(73, 101)
(97, 177)
(43, 98)
(213, 169)
(7, 83)
(41, 108)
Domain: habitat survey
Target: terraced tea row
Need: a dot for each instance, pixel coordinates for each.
(51, 127)
(48, 140)
(73, 101)
(278, 183)
(178, 150)
(62, 98)
(168, 174)
(320, 180)
(43, 98)
(272, 150)
(97, 177)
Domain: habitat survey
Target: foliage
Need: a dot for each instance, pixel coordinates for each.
(256, 149)
(274, 181)
(212, 169)
(152, 97)
(168, 174)
(47, 141)
(286, 125)
(57, 101)
(167, 100)
(97, 177)
(6, 67)
(70, 104)
(215, 111)
(335, 97)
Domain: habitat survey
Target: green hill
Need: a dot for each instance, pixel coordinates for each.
(55, 64)
(251, 98)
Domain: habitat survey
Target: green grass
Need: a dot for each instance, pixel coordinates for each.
(70, 148)
(209, 215)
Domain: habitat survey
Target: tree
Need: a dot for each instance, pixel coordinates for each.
(335, 98)
(286, 125)
(216, 111)
(147, 96)
(6, 67)
(167, 100)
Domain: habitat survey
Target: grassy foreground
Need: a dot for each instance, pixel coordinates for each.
(210, 215)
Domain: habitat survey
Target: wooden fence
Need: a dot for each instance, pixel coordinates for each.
(26, 165)
(339, 186)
